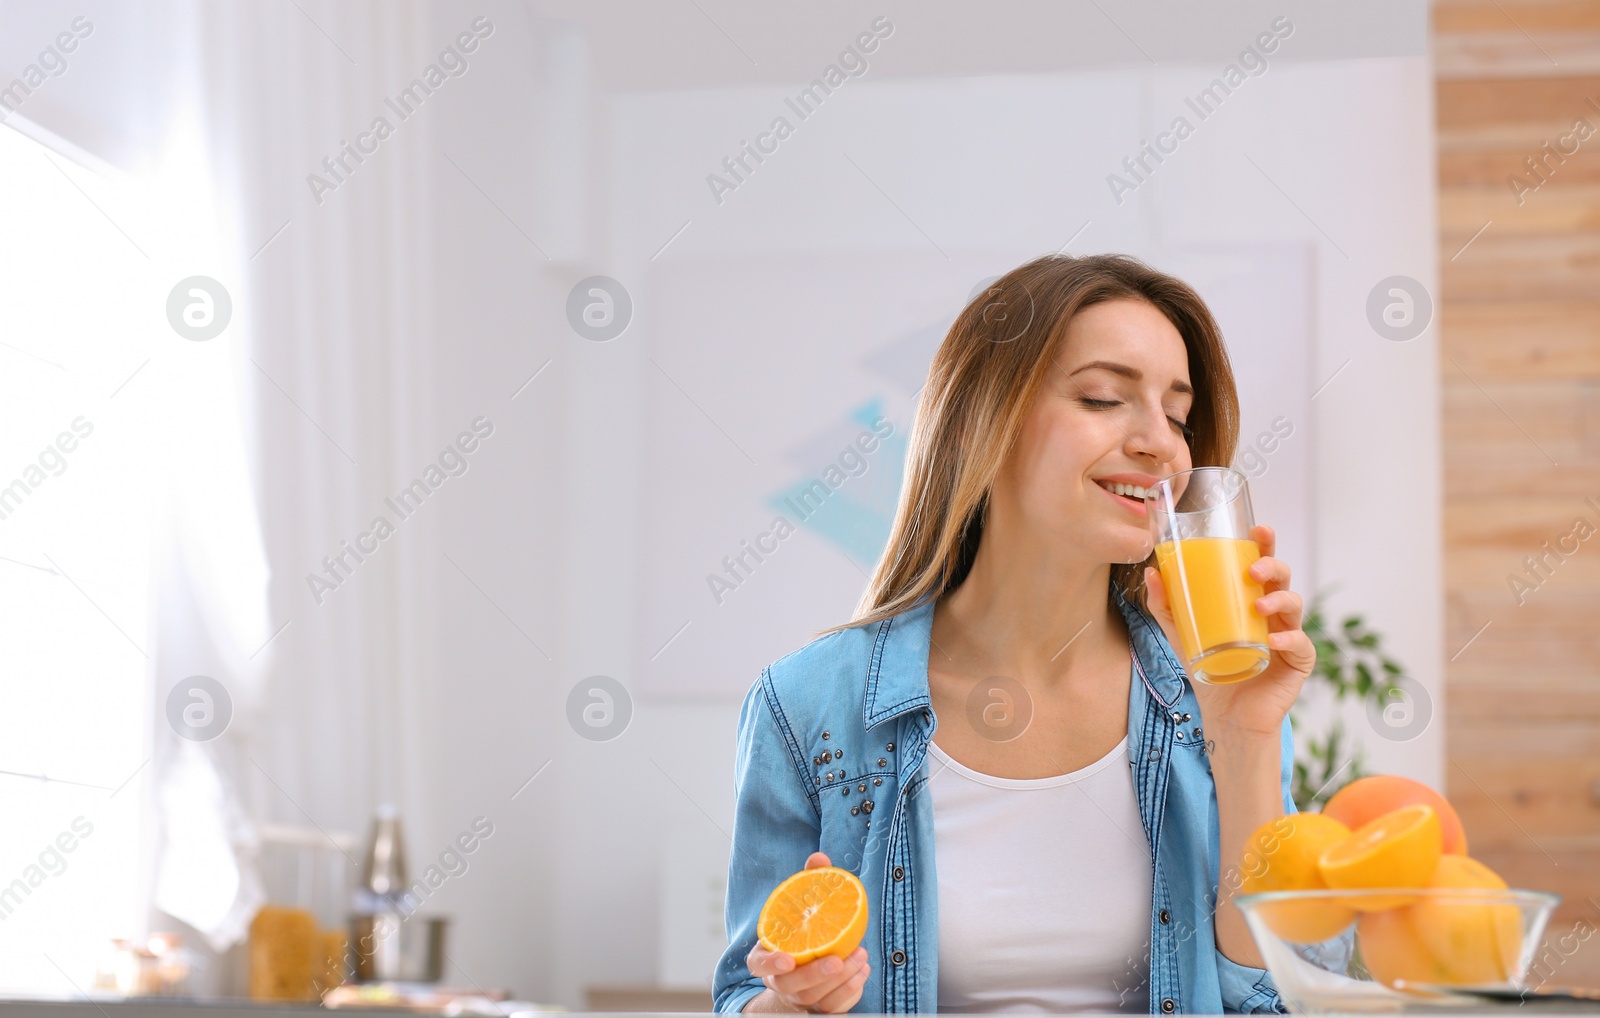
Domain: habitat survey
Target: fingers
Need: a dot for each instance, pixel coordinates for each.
(816, 859)
(1156, 590)
(811, 982)
(1271, 572)
(1295, 648)
(1266, 538)
(1284, 605)
(1160, 609)
(844, 997)
(764, 963)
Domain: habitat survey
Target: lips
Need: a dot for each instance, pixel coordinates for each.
(1138, 492)
(1132, 504)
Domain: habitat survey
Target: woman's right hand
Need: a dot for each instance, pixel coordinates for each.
(827, 985)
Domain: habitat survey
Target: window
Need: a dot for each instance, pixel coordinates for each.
(109, 424)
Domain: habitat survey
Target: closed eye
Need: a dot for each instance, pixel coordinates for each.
(1107, 404)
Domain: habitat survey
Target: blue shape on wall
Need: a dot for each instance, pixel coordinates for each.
(848, 493)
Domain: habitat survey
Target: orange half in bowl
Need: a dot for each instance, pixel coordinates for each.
(1398, 850)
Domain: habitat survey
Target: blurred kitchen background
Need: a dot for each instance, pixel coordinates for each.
(578, 323)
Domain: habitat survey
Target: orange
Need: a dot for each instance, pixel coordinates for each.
(1474, 943)
(1366, 799)
(1399, 849)
(1282, 855)
(1454, 941)
(1391, 950)
(816, 912)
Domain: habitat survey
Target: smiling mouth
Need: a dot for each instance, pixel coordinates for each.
(1132, 491)
(1130, 496)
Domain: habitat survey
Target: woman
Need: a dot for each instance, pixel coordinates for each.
(1003, 744)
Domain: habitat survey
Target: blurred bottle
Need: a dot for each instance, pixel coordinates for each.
(378, 914)
(383, 873)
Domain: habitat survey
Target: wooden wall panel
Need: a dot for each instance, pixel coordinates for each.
(1519, 321)
(1475, 17)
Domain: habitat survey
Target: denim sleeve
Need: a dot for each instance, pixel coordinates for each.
(1247, 990)
(775, 827)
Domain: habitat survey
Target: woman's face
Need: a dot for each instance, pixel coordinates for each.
(1110, 413)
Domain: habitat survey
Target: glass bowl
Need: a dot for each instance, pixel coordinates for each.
(1395, 949)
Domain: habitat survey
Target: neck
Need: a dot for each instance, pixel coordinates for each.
(1040, 613)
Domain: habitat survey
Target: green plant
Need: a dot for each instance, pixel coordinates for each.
(1351, 663)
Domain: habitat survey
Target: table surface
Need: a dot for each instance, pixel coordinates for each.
(150, 1008)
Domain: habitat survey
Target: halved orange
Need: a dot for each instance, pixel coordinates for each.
(816, 912)
(1401, 848)
(1370, 797)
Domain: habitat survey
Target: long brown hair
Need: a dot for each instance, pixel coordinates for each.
(981, 385)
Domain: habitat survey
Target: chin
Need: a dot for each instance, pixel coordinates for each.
(1134, 554)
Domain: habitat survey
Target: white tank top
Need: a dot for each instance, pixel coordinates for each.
(1044, 889)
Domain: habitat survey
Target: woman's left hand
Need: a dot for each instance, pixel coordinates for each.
(1258, 705)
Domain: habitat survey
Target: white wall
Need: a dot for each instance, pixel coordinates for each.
(1012, 166)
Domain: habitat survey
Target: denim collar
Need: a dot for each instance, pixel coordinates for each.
(897, 677)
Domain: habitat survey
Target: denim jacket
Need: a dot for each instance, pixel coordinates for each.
(832, 756)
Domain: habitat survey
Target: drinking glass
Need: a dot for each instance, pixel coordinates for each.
(1201, 521)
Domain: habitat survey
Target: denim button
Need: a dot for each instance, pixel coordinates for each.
(1166, 917)
(898, 957)
(899, 872)
(1168, 1006)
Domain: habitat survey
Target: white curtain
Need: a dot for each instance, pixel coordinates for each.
(333, 291)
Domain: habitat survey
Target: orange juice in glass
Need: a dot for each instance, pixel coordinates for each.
(1201, 520)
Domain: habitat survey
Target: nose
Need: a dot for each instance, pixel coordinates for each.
(1153, 436)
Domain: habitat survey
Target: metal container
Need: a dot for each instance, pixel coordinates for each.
(388, 941)
(388, 947)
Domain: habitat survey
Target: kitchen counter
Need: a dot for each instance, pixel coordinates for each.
(170, 1007)
(167, 1007)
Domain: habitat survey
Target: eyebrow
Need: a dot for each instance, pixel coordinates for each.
(1132, 374)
